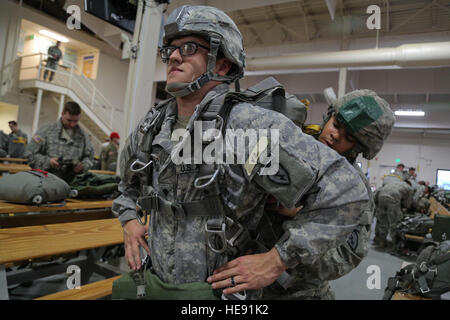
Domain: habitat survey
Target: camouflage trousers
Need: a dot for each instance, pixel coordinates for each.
(389, 215)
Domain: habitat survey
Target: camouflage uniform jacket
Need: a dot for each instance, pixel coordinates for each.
(54, 55)
(49, 142)
(17, 143)
(398, 191)
(108, 156)
(311, 280)
(328, 187)
(3, 144)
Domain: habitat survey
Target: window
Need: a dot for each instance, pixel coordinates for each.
(443, 178)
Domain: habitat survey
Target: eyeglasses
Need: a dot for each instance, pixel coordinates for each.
(186, 49)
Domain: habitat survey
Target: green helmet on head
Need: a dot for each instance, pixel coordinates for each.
(223, 35)
(367, 117)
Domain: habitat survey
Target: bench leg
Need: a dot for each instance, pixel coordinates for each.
(3, 284)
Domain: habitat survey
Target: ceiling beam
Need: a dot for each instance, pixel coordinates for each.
(417, 13)
(246, 24)
(234, 5)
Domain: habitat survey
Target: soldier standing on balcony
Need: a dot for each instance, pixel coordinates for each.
(54, 55)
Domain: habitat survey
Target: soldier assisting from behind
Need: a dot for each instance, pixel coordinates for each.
(201, 215)
(61, 147)
(357, 123)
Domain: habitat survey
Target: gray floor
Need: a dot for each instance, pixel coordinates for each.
(353, 286)
(52, 284)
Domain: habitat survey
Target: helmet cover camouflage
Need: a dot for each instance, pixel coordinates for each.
(367, 117)
(208, 22)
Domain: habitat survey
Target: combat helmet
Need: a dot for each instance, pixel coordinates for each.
(221, 32)
(367, 117)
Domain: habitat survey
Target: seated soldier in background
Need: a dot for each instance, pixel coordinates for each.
(357, 123)
(109, 153)
(61, 147)
(3, 144)
(17, 141)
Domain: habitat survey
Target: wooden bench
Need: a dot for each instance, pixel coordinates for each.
(437, 208)
(24, 243)
(13, 160)
(414, 238)
(70, 204)
(89, 291)
(405, 296)
(28, 243)
(103, 172)
(14, 167)
(17, 215)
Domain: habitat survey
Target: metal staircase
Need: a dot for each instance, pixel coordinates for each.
(99, 117)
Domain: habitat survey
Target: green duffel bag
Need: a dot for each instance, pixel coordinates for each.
(34, 187)
(90, 184)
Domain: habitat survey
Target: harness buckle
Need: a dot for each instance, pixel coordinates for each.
(235, 296)
(212, 228)
(145, 204)
(232, 241)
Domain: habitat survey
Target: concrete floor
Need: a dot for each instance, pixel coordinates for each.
(353, 286)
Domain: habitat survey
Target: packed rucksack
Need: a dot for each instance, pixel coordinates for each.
(428, 277)
(34, 187)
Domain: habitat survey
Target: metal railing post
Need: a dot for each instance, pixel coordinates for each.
(70, 77)
(40, 67)
(93, 98)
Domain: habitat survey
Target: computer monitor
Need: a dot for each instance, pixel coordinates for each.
(443, 178)
(120, 13)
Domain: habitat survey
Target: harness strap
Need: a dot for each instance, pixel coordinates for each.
(207, 207)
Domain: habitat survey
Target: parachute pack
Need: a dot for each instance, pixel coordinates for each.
(34, 187)
(270, 94)
(428, 277)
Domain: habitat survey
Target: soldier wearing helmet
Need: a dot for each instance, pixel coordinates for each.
(359, 122)
(204, 216)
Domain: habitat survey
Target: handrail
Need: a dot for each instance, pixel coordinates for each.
(73, 79)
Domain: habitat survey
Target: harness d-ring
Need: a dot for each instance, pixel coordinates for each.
(140, 163)
(210, 178)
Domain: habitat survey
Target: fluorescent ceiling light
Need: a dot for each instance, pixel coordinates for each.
(409, 113)
(53, 35)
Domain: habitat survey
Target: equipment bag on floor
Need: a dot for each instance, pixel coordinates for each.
(33, 187)
(429, 277)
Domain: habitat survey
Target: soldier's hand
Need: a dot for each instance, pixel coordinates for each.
(78, 168)
(134, 237)
(54, 163)
(249, 272)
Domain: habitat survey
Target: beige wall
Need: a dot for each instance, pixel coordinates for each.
(8, 112)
